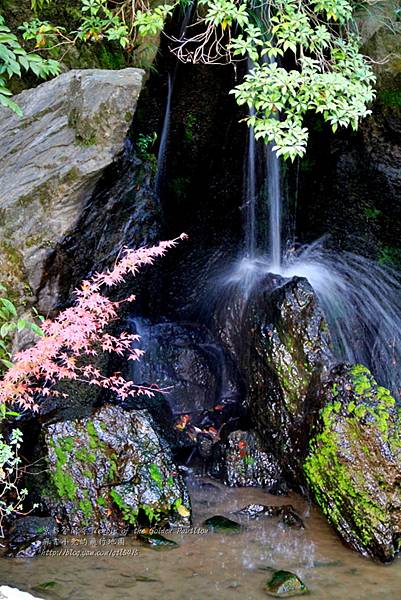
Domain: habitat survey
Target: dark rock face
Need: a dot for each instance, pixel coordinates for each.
(29, 536)
(349, 182)
(354, 463)
(289, 349)
(185, 360)
(110, 471)
(243, 462)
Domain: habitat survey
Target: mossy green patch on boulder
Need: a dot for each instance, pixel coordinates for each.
(285, 584)
(220, 523)
(354, 463)
(289, 351)
(110, 471)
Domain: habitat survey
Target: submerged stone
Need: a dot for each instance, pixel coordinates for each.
(156, 540)
(354, 463)
(285, 584)
(110, 471)
(220, 523)
(286, 513)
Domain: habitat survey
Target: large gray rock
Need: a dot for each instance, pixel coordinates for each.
(50, 161)
(289, 350)
(111, 471)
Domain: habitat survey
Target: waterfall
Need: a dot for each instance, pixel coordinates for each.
(273, 184)
(269, 192)
(165, 132)
(250, 195)
(360, 299)
(161, 157)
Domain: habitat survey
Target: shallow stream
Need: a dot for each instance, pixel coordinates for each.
(210, 565)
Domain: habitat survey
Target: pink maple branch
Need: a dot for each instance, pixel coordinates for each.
(80, 331)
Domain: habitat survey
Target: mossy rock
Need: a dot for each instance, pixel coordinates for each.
(111, 471)
(220, 523)
(289, 350)
(285, 584)
(354, 462)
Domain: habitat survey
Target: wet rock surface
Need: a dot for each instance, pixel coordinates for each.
(354, 463)
(155, 540)
(285, 584)
(31, 535)
(111, 471)
(51, 159)
(289, 350)
(286, 513)
(184, 359)
(242, 462)
(220, 523)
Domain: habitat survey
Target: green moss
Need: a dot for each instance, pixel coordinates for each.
(129, 514)
(190, 125)
(113, 458)
(336, 484)
(61, 479)
(83, 455)
(390, 98)
(94, 441)
(86, 508)
(390, 255)
(372, 213)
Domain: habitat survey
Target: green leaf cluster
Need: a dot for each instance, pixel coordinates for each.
(327, 74)
(10, 323)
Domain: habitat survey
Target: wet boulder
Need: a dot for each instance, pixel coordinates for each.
(32, 535)
(354, 462)
(242, 462)
(288, 351)
(110, 471)
(284, 584)
(220, 523)
(286, 513)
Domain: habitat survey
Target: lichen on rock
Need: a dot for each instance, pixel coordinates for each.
(244, 463)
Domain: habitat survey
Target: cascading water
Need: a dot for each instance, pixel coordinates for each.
(273, 196)
(360, 298)
(250, 196)
(162, 154)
